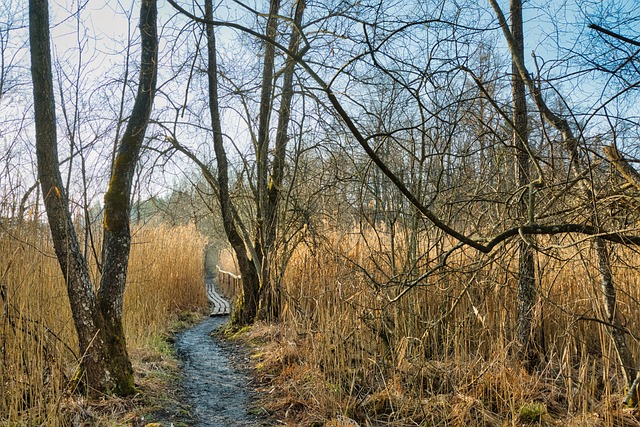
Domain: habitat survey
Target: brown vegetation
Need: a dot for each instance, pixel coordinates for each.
(39, 345)
(444, 353)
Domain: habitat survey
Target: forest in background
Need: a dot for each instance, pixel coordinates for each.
(433, 205)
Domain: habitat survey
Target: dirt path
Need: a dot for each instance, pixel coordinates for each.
(216, 392)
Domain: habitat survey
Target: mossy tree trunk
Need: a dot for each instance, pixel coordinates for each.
(262, 247)
(97, 316)
(270, 290)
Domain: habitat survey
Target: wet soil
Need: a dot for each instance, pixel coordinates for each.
(217, 391)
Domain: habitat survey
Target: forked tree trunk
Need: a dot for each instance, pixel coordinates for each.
(270, 292)
(260, 295)
(97, 318)
(263, 249)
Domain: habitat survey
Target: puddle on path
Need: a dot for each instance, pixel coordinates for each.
(216, 392)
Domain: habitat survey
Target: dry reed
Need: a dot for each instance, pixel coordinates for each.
(37, 338)
(443, 353)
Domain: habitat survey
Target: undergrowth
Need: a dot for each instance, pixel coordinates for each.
(361, 342)
(37, 338)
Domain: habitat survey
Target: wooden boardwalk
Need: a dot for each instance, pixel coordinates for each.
(219, 305)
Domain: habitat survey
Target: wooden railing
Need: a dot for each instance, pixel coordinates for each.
(229, 285)
(219, 305)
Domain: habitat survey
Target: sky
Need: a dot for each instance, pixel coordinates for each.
(104, 28)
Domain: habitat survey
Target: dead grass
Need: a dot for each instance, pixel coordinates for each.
(443, 353)
(37, 338)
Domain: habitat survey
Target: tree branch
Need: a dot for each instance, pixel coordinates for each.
(599, 29)
(622, 165)
(556, 121)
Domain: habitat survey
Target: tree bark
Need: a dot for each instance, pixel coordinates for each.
(633, 177)
(526, 267)
(97, 318)
(247, 308)
(117, 200)
(270, 292)
(262, 157)
(622, 166)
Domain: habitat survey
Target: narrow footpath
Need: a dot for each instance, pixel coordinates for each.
(216, 392)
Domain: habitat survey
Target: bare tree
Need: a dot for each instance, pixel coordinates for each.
(270, 295)
(378, 37)
(255, 249)
(526, 266)
(97, 314)
(581, 168)
(248, 269)
(12, 16)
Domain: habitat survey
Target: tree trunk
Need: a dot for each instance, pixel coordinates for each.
(117, 235)
(609, 302)
(97, 318)
(270, 292)
(247, 308)
(262, 160)
(526, 268)
(581, 165)
(624, 354)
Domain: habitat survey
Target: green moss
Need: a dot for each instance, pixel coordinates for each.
(532, 413)
(233, 332)
(118, 363)
(116, 208)
(237, 314)
(159, 344)
(126, 387)
(116, 200)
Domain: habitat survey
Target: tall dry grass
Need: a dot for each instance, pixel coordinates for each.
(37, 339)
(166, 273)
(443, 353)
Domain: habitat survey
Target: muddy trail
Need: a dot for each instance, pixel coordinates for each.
(218, 394)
